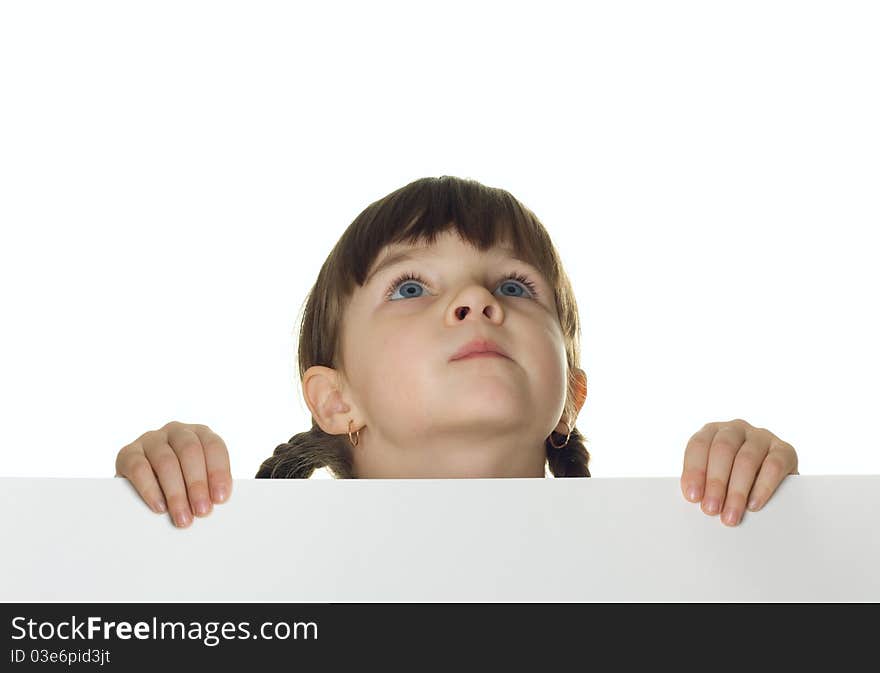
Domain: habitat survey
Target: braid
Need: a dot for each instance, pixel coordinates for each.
(572, 460)
(304, 453)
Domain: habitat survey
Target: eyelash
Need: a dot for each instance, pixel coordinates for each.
(414, 276)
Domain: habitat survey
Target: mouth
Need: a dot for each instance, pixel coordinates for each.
(479, 347)
(485, 354)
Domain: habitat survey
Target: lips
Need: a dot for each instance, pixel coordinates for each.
(479, 346)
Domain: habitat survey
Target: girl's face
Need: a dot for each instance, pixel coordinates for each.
(423, 415)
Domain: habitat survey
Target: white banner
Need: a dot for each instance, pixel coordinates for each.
(456, 540)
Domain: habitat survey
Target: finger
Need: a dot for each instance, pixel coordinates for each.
(745, 467)
(132, 464)
(216, 462)
(191, 453)
(781, 460)
(725, 445)
(696, 459)
(167, 467)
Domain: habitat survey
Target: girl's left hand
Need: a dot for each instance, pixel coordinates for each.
(735, 463)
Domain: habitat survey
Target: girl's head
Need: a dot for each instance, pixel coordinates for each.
(418, 274)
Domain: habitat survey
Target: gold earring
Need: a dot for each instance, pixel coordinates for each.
(357, 432)
(566, 437)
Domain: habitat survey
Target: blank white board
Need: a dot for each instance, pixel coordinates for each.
(440, 540)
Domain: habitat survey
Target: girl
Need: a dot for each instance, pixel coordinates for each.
(441, 340)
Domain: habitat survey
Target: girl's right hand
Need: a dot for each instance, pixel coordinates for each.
(187, 458)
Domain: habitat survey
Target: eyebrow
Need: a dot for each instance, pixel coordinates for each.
(416, 253)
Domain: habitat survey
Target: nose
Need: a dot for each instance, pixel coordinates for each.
(480, 303)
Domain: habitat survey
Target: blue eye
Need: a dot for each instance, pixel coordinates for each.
(515, 286)
(413, 287)
(413, 279)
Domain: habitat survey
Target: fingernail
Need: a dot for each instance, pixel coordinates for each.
(693, 493)
(159, 505)
(201, 506)
(730, 517)
(220, 493)
(712, 505)
(181, 519)
(753, 504)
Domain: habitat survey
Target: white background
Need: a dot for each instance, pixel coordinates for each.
(173, 175)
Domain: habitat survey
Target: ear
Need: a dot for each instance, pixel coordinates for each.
(580, 395)
(330, 408)
(580, 388)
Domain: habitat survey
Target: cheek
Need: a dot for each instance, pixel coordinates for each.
(545, 361)
(397, 366)
(399, 354)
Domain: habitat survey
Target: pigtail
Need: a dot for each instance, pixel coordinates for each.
(572, 460)
(305, 452)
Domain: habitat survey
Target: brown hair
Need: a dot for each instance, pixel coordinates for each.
(483, 216)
